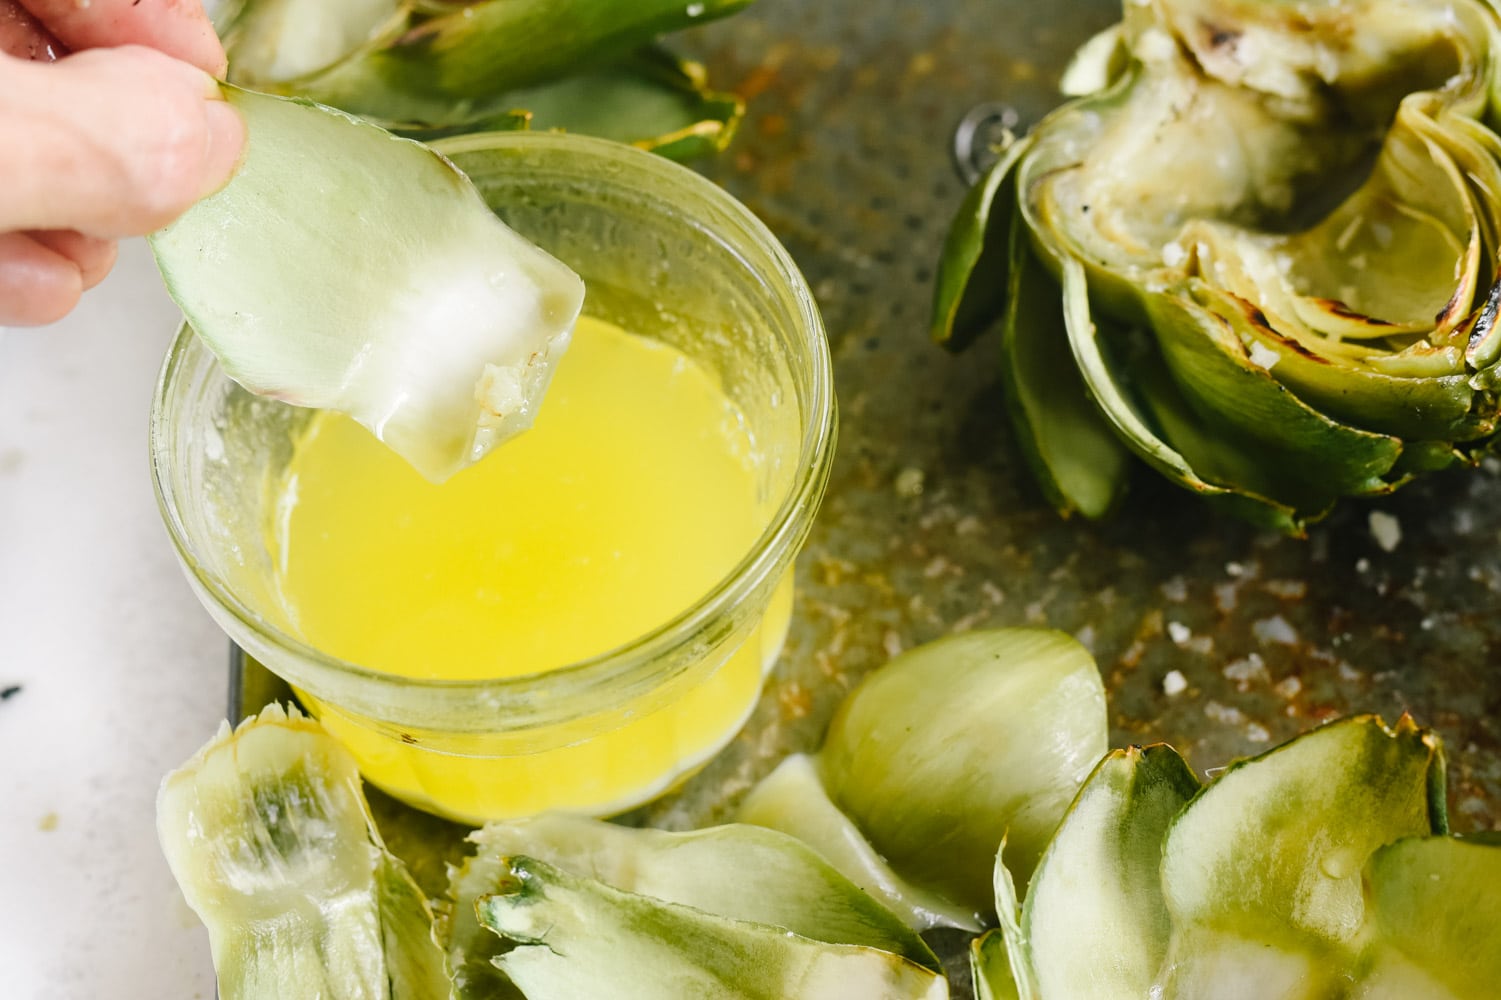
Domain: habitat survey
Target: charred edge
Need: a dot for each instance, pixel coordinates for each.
(1258, 319)
(1486, 321)
(1343, 311)
(1450, 309)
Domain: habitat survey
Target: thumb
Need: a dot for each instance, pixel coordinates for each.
(110, 142)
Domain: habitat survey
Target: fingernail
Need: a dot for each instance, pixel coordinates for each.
(226, 146)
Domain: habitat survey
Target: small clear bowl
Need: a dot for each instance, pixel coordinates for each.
(665, 254)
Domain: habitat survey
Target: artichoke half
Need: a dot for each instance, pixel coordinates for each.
(1262, 257)
(428, 68)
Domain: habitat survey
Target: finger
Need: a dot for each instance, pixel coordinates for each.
(179, 28)
(23, 36)
(37, 285)
(92, 256)
(110, 142)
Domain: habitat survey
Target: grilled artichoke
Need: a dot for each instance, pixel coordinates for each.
(426, 68)
(1262, 257)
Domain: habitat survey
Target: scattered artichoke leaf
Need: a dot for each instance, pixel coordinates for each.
(1435, 907)
(441, 342)
(970, 288)
(1024, 723)
(736, 871)
(1097, 891)
(578, 937)
(1020, 975)
(448, 68)
(1261, 873)
(792, 799)
(268, 835)
(1079, 464)
(650, 99)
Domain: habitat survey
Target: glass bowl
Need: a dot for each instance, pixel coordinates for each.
(667, 255)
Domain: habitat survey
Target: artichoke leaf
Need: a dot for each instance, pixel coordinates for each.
(1016, 976)
(936, 801)
(1233, 480)
(990, 968)
(269, 41)
(267, 832)
(1262, 872)
(1318, 458)
(793, 800)
(650, 99)
(1438, 408)
(441, 342)
(741, 872)
(1250, 499)
(1434, 914)
(443, 70)
(970, 287)
(577, 937)
(1077, 461)
(1097, 891)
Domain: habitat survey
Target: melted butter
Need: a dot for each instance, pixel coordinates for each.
(633, 494)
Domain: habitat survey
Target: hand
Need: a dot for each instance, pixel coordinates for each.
(115, 140)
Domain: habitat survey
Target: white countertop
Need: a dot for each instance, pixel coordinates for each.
(122, 674)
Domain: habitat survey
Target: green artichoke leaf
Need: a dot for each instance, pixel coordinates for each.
(741, 872)
(1079, 464)
(1261, 873)
(990, 969)
(1098, 891)
(1435, 909)
(1024, 723)
(268, 835)
(650, 98)
(1415, 409)
(1015, 975)
(1183, 447)
(270, 41)
(446, 69)
(792, 799)
(970, 287)
(441, 342)
(1319, 458)
(578, 937)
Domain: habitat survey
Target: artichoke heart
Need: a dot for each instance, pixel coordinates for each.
(1264, 244)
